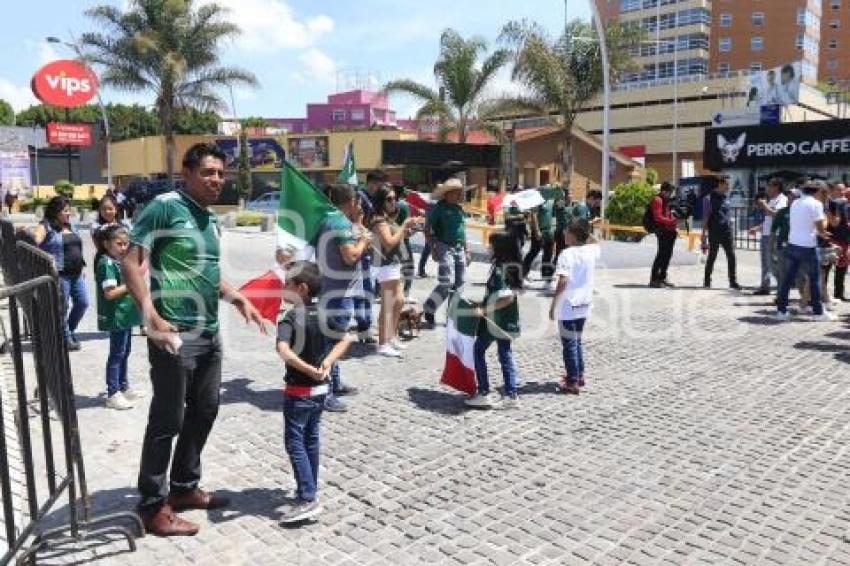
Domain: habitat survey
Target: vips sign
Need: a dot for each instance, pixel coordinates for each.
(69, 134)
(810, 143)
(64, 83)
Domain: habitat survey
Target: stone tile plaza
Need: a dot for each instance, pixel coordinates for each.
(706, 434)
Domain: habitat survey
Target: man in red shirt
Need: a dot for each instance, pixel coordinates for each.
(665, 232)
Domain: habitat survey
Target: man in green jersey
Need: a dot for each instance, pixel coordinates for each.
(178, 236)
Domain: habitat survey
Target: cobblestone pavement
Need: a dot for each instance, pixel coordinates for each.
(707, 434)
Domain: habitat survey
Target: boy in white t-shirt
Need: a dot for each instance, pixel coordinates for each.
(573, 299)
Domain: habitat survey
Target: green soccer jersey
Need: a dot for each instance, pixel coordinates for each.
(544, 218)
(117, 314)
(447, 223)
(503, 323)
(182, 238)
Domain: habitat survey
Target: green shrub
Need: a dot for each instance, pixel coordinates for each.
(65, 188)
(651, 176)
(248, 218)
(629, 203)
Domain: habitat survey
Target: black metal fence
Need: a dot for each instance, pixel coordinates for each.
(36, 470)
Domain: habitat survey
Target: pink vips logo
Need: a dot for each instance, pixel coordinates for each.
(65, 83)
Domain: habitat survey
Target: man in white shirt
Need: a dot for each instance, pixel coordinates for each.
(770, 206)
(807, 221)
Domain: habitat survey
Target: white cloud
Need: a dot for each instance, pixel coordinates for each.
(317, 66)
(270, 25)
(20, 97)
(46, 53)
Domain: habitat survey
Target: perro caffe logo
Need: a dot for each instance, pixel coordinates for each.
(64, 83)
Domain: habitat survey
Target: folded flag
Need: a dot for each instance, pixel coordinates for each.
(348, 173)
(266, 292)
(418, 202)
(461, 328)
(302, 210)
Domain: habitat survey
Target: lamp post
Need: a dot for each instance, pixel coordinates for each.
(606, 88)
(76, 49)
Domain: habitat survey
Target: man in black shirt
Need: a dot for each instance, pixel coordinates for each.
(718, 224)
(301, 345)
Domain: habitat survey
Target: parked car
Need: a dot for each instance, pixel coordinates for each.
(268, 203)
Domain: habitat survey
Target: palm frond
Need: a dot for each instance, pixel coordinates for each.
(417, 90)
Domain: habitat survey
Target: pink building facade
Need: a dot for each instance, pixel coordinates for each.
(352, 110)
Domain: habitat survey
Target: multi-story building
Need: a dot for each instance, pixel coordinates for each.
(353, 110)
(724, 36)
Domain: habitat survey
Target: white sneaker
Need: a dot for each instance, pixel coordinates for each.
(549, 286)
(482, 401)
(118, 402)
(388, 351)
(133, 394)
(781, 316)
(410, 301)
(398, 345)
(807, 310)
(823, 317)
(510, 402)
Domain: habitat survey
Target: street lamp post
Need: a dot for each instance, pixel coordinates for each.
(606, 88)
(76, 49)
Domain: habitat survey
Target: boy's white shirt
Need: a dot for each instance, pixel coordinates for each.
(577, 264)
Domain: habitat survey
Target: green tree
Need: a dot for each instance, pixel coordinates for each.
(7, 114)
(254, 122)
(65, 188)
(561, 76)
(245, 183)
(169, 48)
(39, 115)
(462, 84)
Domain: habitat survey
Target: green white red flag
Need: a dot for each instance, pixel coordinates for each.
(461, 329)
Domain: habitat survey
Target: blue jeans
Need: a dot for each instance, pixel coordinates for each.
(302, 417)
(423, 259)
(74, 291)
(797, 257)
(451, 277)
(363, 312)
(572, 349)
(506, 360)
(341, 315)
(120, 342)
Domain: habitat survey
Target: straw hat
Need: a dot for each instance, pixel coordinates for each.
(452, 184)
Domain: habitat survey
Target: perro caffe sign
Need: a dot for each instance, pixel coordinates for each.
(64, 83)
(809, 143)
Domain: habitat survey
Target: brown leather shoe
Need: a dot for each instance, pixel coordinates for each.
(197, 499)
(164, 523)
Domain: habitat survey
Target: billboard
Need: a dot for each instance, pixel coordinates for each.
(777, 86)
(15, 170)
(64, 83)
(309, 152)
(264, 153)
(824, 142)
(69, 134)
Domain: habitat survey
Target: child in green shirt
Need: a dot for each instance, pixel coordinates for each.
(116, 313)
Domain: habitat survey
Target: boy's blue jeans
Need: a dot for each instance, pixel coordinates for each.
(120, 342)
(796, 258)
(572, 349)
(506, 360)
(302, 417)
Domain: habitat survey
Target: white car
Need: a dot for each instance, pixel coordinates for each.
(268, 203)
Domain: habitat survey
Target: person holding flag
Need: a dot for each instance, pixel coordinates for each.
(178, 235)
(341, 243)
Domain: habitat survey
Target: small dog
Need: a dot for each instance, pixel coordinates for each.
(409, 322)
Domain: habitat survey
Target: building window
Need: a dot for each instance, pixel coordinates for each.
(832, 65)
(801, 16)
(756, 44)
(835, 24)
(725, 44)
(338, 116)
(801, 40)
(358, 115)
(726, 20)
(835, 4)
(758, 18)
(723, 68)
(755, 67)
(629, 5)
(833, 44)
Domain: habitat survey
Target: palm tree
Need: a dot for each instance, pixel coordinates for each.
(170, 48)
(462, 84)
(560, 76)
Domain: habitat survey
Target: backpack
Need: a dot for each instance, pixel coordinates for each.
(649, 219)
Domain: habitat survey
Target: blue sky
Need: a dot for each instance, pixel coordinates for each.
(300, 50)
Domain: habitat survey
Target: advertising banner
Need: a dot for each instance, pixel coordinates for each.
(824, 142)
(15, 171)
(64, 83)
(69, 134)
(780, 86)
(263, 153)
(309, 152)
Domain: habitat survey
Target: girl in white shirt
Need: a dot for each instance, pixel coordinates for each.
(573, 299)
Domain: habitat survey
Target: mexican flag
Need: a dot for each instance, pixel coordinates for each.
(302, 209)
(461, 327)
(348, 173)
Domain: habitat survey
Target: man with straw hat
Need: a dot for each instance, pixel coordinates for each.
(446, 234)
